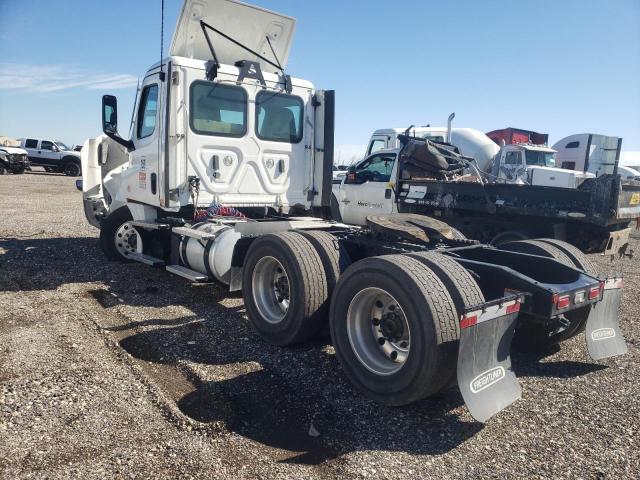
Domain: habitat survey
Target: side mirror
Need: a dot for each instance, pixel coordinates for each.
(109, 114)
(55, 149)
(351, 176)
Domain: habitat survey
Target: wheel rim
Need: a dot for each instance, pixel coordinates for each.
(71, 169)
(127, 240)
(378, 331)
(271, 291)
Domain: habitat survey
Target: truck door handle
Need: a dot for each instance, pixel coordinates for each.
(154, 183)
(387, 193)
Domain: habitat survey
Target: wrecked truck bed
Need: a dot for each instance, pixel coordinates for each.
(595, 217)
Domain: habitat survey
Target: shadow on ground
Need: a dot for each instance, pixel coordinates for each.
(268, 394)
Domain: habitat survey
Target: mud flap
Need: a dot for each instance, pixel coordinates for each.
(485, 378)
(603, 334)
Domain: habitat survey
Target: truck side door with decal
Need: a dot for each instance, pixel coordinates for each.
(144, 183)
(367, 191)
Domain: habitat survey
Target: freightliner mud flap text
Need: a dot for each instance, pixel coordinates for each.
(485, 378)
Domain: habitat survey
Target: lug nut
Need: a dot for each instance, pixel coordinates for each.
(381, 341)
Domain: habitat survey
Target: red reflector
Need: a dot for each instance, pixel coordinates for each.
(594, 292)
(513, 308)
(467, 322)
(563, 302)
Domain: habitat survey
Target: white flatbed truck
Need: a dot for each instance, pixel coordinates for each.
(227, 178)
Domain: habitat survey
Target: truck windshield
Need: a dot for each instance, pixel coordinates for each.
(540, 158)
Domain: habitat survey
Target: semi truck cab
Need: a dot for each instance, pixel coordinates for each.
(220, 125)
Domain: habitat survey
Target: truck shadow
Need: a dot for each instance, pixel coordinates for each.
(271, 395)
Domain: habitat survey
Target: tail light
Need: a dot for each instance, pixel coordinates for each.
(561, 301)
(468, 321)
(594, 292)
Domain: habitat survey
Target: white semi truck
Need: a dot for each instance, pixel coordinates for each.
(512, 192)
(227, 178)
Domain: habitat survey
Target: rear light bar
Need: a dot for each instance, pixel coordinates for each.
(478, 316)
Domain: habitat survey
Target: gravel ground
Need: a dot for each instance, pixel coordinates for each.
(123, 371)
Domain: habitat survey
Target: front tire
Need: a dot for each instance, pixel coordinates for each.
(393, 324)
(118, 238)
(71, 169)
(284, 287)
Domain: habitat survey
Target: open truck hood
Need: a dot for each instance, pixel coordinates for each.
(244, 23)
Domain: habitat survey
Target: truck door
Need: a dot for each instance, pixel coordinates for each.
(146, 139)
(367, 191)
(512, 165)
(48, 154)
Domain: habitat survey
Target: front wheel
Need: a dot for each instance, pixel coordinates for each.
(118, 238)
(71, 169)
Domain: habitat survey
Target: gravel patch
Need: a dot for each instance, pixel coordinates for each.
(123, 371)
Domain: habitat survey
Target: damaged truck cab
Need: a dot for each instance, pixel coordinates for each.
(227, 177)
(236, 132)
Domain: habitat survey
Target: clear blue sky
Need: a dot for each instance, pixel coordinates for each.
(561, 67)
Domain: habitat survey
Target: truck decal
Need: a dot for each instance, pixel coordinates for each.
(486, 379)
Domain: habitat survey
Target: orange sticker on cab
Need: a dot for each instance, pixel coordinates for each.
(635, 199)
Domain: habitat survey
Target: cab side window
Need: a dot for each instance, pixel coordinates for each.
(512, 158)
(217, 109)
(377, 144)
(46, 145)
(147, 111)
(376, 169)
(31, 143)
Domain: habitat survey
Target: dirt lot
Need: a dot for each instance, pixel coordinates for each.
(123, 371)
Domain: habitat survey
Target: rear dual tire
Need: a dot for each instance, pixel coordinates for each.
(285, 288)
(388, 304)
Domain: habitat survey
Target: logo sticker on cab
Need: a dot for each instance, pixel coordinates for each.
(603, 334)
(486, 379)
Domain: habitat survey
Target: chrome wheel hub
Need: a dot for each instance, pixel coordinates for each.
(271, 291)
(127, 240)
(378, 331)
